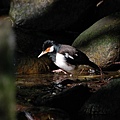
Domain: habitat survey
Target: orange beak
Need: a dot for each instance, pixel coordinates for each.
(44, 52)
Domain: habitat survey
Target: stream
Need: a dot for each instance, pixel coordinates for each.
(45, 96)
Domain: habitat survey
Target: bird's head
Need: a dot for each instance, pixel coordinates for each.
(49, 46)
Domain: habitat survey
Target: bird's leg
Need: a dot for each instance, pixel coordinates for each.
(81, 71)
(59, 70)
(101, 73)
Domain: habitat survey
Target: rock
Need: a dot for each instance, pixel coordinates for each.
(47, 14)
(39, 20)
(104, 101)
(69, 100)
(101, 42)
(51, 15)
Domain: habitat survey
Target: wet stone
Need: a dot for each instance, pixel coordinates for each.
(104, 101)
(101, 41)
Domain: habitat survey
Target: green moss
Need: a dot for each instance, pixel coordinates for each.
(101, 42)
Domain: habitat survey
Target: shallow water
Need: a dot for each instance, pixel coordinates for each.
(46, 79)
(32, 85)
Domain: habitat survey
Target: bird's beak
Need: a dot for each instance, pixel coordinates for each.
(42, 53)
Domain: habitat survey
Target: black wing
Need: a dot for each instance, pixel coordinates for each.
(76, 57)
(73, 55)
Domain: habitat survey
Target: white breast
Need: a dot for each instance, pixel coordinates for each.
(61, 63)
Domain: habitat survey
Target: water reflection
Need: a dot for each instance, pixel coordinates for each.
(42, 87)
(46, 79)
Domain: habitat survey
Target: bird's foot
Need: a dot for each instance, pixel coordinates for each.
(59, 70)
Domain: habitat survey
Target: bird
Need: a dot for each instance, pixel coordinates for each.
(66, 57)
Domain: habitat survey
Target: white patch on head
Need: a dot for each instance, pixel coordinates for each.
(51, 49)
(61, 63)
(68, 56)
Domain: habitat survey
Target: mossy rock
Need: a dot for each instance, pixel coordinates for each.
(101, 42)
(104, 101)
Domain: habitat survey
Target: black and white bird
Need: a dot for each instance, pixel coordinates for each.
(66, 57)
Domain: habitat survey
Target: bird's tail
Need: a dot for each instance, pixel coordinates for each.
(96, 67)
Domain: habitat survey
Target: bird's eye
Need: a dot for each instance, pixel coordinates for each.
(50, 49)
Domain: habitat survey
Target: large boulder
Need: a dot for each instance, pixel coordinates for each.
(60, 20)
(50, 14)
(101, 42)
(104, 101)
